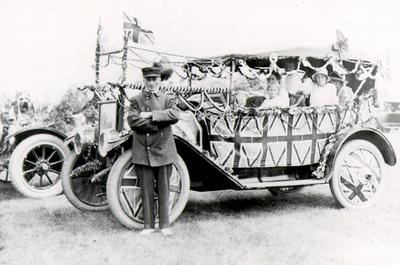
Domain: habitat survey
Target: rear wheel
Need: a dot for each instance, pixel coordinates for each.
(35, 165)
(357, 180)
(84, 182)
(124, 196)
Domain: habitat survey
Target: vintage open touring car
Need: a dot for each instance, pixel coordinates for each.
(225, 145)
(31, 155)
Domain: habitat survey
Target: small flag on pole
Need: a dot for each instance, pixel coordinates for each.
(135, 32)
(342, 43)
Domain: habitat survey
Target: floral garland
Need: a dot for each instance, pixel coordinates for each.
(335, 63)
(92, 166)
(320, 171)
(260, 73)
(343, 130)
(197, 71)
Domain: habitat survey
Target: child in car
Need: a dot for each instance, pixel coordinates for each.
(274, 98)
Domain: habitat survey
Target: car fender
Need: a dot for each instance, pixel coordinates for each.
(15, 138)
(362, 133)
(205, 174)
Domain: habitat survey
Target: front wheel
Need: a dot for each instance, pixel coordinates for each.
(124, 197)
(82, 186)
(357, 180)
(35, 165)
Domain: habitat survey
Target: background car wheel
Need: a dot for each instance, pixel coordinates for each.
(285, 190)
(357, 180)
(35, 166)
(79, 187)
(124, 197)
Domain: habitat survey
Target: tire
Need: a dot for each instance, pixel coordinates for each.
(357, 180)
(122, 200)
(27, 168)
(285, 190)
(82, 193)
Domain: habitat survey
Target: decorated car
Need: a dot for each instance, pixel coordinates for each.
(224, 143)
(32, 151)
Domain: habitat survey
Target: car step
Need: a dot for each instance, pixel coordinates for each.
(266, 179)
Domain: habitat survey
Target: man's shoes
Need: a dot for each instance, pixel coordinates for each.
(146, 232)
(166, 232)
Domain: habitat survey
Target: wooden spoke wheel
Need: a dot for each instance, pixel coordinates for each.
(357, 180)
(124, 195)
(35, 165)
(84, 182)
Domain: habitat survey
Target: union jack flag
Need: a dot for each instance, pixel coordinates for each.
(342, 43)
(272, 140)
(135, 32)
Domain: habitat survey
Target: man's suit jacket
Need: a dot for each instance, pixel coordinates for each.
(153, 143)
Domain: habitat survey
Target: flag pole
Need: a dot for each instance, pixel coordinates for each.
(124, 59)
(97, 56)
(231, 74)
(340, 53)
(190, 76)
(233, 66)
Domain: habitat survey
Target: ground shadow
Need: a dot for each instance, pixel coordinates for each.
(7, 192)
(209, 205)
(248, 203)
(75, 221)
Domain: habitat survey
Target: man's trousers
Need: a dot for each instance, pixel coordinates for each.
(161, 175)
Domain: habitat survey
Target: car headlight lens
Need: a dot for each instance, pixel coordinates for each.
(12, 140)
(102, 145)
(78, 143)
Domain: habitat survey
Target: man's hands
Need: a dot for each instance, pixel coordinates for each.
(145, 115)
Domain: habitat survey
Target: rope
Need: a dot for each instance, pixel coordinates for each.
(108, 62)
(139, 56)
(113, 60)
(131, 64)
(166, 53)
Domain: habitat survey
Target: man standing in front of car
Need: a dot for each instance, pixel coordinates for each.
(150, 116)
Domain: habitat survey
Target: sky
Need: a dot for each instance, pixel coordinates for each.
(48, 46)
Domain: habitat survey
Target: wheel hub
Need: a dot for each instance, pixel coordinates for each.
(364, 177)
(45, 167)
(42, 167)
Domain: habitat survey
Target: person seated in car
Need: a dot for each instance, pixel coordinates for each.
(295, 84)
(245, 88)
(322, 93)
(343, 92)
(275, 98)
(259, 96)
(274, 78)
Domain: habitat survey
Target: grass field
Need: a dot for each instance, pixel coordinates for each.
(227, 227)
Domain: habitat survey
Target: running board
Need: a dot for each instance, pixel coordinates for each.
(283, 183)
(266, 179)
